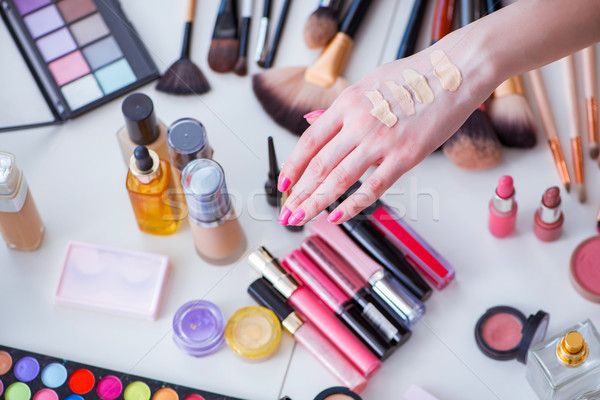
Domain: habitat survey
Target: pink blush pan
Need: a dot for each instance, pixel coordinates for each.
(585, 269)
(502, 331)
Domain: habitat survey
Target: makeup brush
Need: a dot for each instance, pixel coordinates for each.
(287, 94)
(241, 65)
(322, 25)
(475, 145)
(278, 30)
(509, 110)
(223, 52)
(591, 105)
(183, 76)
(574, 126)
(541, 99)
(443, 15)
(260, 54)
(411, 32)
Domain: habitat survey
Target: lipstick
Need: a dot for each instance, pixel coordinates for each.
(383, 251)
(548, 219)
(314, 310)
(503, 208)
(307, 335)
(307, 272)
(409, 308)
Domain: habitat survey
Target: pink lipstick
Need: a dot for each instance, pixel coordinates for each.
(548, 219)
(503, 208)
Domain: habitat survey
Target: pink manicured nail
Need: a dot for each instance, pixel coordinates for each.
(284, 216)
(312, 116)
(334, 216)
(296, 217)
(283, 184)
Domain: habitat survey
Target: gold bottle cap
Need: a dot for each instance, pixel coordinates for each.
(572, 349)
(292, 323)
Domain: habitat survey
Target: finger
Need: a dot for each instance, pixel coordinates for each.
(311, 141)
(371, 189)
(347, 172)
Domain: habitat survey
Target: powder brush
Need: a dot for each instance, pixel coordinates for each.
(591, 100)
(322, 25)
(223, 52)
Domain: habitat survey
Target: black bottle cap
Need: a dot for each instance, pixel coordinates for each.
(266, 295)
(187, 141)
(332, 391)
(143, 160)
(140, 119)
(380, 346)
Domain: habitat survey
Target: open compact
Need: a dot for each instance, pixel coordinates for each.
(504, 333)
(585, 269)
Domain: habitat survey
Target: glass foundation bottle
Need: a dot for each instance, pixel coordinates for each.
(20, 222)
(567, 365)
(149, 183)
(217, 233)
(142, 128)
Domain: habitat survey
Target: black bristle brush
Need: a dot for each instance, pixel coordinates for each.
(183, 76)
(411, 32)
(241, 65)
(475, 144)
(322, 25)
(223, 52)
(286, 94)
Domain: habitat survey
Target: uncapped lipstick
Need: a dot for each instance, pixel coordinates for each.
(503, 208)
(548, 219)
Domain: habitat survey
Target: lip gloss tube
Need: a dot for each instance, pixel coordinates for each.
(312, 308)
(385, 285)
(380, 248)
(304, 269)
(307, 335)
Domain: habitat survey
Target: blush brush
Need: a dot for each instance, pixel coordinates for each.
(287, 94)
(322, 25)
(223, 52)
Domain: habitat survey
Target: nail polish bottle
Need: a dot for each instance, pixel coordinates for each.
(187, 140)
(149, 183)
(217, 233)
(142, 128)
(548, 219)
(20, 222)
(566, 365)
(503, 208)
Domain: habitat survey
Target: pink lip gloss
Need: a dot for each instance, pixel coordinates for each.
(548, 219)
(503, 208)
(313, 309)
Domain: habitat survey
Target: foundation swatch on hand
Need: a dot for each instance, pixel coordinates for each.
(446, 72)
(405, 101)
(381, 108)
(417, 82)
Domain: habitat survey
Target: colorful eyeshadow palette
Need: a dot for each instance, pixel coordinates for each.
(25, 375)
(82, 53)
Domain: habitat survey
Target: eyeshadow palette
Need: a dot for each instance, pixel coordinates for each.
(25, 375)
(82, 53)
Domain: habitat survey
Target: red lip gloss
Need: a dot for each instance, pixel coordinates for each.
(548, 219)
(503, 208)
(312, 308)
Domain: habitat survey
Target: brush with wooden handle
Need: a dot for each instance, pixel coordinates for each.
(591, 100)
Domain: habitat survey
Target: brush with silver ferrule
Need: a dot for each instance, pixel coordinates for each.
(260, 54)
(322, 25)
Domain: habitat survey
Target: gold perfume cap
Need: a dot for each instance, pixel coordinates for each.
(572, 349)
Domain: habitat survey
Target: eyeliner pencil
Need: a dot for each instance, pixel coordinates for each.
(278, 30)
(541, 99)
(591, 101)
(260, 54)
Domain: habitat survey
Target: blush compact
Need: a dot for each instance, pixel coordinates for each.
(504, 333)
(337, 393)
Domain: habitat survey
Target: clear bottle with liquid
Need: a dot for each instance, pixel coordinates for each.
(567, 365)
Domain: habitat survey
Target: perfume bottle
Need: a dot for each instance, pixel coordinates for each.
(149, 183)
(567, 365)
(20, 222)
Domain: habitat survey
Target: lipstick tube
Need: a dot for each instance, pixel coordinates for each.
(307, 335)
(307, 272)
(380, 248)
(313, 309)
(383, 283)
(503, 208)
(548, 219)
(374, 309)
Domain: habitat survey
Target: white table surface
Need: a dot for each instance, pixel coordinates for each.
(77, 177)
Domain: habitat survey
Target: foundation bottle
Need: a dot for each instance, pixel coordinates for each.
(20, 222)
(149, 183)
(142, 128)
(566, 366)
(218, 236)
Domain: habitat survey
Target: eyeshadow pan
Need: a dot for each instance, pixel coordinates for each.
(109, 387)
(26, 6)
(45, 394)
(115, 76)
(26, 369)
(68, 68)
(81, 381)
(73, 9)
(5, 362)
(56, 44)
(81, 92)
(54, 375)
(17, 391)
(43, 21)
(102, 52)
(89, 29)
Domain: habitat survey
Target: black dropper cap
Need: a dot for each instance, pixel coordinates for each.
(273, 195)
(266, 295)
(140, 119)
(143, 160)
